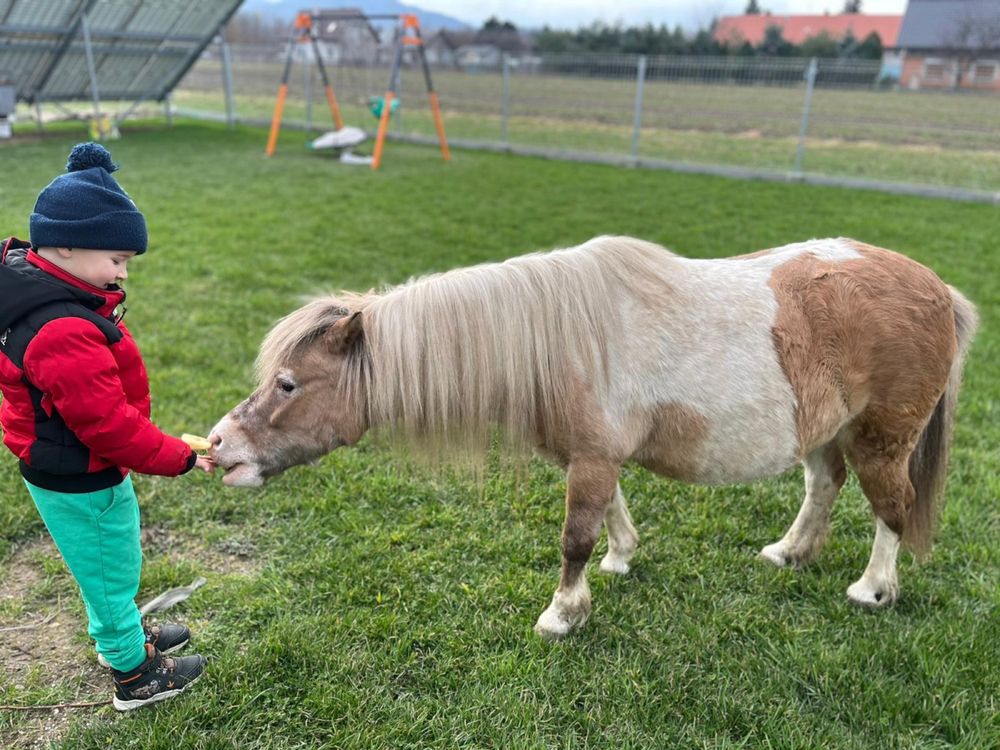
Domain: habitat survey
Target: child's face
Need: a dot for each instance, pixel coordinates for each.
(101, 268)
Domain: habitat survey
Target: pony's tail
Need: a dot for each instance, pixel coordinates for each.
(929, 461)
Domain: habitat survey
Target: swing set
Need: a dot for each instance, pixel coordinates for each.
(407, 35)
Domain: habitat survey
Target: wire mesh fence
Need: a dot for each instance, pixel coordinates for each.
(796, 116)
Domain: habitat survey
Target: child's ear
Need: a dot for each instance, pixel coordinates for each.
(65, 252)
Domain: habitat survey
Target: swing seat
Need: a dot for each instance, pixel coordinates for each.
(376, 103)
(347, 137)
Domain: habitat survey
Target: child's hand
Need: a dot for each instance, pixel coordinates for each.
(205, 464)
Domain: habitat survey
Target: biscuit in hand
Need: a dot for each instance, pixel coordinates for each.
(196, 443)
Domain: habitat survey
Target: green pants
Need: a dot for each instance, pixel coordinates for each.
(97, 534)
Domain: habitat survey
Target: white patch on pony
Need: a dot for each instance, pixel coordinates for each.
(622, 537)
(570, 609)
(707, 345)
(877, 587)
(833, 249)
(241, 469)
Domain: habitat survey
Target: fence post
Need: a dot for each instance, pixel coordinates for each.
(640, 79)
(810, 83)
(504, 97)
(168, 110)
(227, 83)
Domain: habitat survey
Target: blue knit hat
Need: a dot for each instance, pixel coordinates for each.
(86, 208)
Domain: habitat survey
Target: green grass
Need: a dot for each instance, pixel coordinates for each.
(923, 137)
(387, 606)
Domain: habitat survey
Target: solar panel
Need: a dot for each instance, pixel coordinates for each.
(138, 49)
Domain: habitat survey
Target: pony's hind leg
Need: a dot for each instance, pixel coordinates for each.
(885, 480)
(825, 475)
(878, 586)
(590, 489)
(622, 537)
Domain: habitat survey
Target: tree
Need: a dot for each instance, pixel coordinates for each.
(553, 41)
(495, 24)
(848, 45)
(974, 33)
(252, 28)
(852, 6)
(752, 9)
(704, 43)
(821, 45)
(775, 44)
(870, 48)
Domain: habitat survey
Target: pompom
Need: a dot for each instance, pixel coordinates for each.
(87, 155)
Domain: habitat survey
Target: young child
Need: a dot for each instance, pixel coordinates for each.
(76, 409)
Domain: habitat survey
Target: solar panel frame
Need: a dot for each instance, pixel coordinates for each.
(140, 48)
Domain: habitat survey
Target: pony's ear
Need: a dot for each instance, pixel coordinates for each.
(342, 335)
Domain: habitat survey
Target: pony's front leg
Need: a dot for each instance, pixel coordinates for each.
(622, 537)
(590, 489)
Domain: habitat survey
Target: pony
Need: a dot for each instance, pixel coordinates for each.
(706, 371)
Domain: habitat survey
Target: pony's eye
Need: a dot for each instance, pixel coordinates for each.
(286, 386)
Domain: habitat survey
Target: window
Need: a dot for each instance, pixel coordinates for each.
(984, 72)
(936, 70)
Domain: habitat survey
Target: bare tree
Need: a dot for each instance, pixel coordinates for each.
(252, 28)
(975, 32)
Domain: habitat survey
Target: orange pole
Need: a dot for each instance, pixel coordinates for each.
(439, 124)
(383, 123)
(279, 106)
(331, 99)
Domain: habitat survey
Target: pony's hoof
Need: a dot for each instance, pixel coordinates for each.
(864, 594)
(554, 623)
(776, 554)
(614, 564)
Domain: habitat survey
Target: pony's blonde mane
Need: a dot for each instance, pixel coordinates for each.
(449, 356)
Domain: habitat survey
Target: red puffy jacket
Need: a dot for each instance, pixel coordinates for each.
(76, 401)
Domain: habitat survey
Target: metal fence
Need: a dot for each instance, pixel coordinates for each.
(794, 119)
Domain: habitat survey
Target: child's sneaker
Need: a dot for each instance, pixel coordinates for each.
(166, 638)
(156, 679)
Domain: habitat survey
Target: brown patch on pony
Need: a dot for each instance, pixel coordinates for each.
(590, 488)
(673, 444)
(867, 341)
(584, 431)
(873, 332)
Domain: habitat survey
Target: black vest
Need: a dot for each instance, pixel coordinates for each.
(56, 450)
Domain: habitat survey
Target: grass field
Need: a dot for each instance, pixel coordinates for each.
(905, 136)
(367, 603)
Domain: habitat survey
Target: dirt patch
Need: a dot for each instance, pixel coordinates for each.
(233, 555)
(43, 641)
(41, 646)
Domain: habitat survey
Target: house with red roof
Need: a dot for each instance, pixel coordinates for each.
(953, 44)
(733, 31)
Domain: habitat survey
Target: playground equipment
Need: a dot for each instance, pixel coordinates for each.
(407, 35)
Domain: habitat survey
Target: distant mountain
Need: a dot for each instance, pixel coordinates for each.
(286, 10)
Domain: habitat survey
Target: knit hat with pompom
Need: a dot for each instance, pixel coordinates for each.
(86, 208)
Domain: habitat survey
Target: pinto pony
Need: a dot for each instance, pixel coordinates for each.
(708, 371)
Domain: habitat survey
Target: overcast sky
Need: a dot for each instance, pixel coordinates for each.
(572, 14)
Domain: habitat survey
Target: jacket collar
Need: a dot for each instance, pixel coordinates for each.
(110, 298)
